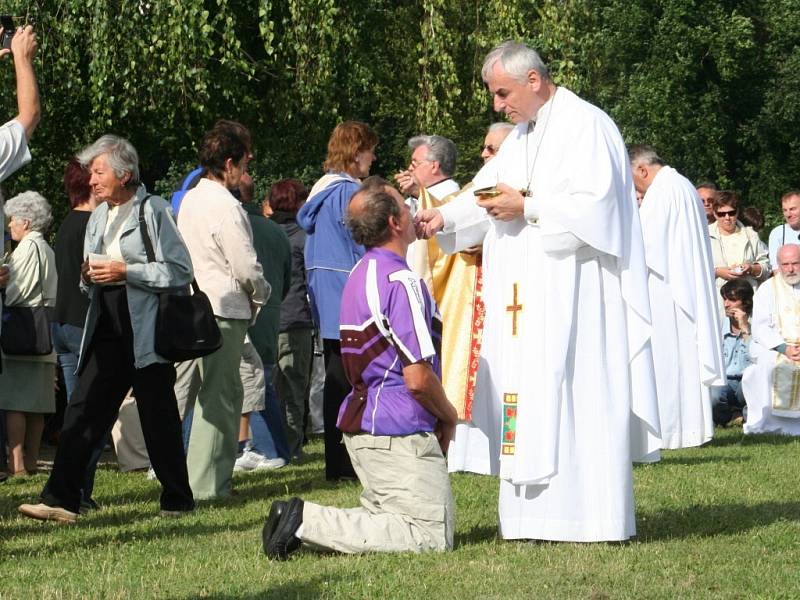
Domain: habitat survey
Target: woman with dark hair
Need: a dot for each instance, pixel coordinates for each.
(218, 234)
(728, 402)
(71, 303)
(737, 251)
(296, 332)
(330, 254)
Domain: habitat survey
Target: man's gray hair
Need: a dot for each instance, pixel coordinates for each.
(642, 154)
(32, 207)
(120, 154)
(370, 225)
(440, 149)
(505, 127)
(516, 59)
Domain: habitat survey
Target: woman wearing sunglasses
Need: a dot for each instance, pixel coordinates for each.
(737, 250)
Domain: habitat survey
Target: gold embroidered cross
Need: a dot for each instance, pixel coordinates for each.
(514, 309)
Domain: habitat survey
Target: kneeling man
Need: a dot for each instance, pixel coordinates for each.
(397, 420)
(771, 386)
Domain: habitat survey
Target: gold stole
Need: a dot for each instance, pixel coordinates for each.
(786, 374)
(455, 282)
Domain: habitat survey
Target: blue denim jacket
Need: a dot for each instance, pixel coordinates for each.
(145, 280)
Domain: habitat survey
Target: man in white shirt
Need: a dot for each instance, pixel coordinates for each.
(686, 339)
(566, 366)
(789, 232)
(769, 385)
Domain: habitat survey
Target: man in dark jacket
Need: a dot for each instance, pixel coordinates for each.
(269, 448)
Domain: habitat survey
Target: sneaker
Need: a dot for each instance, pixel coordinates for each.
(248, 461)
(43, 512)
(266, 464)
(151, 474)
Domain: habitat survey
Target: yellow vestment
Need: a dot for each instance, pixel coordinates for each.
(455, 282)
(786, 374)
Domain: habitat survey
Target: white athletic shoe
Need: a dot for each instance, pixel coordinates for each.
(151, 474)
(269, 463)
(247, 461)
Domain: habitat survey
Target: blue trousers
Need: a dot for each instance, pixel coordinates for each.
(67, 346)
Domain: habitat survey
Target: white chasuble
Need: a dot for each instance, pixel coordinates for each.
(772, 384)
(567, 333)
(687, 348)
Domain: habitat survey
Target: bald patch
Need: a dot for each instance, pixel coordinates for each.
(788, 253)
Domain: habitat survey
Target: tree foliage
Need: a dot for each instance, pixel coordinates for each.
(711, 83)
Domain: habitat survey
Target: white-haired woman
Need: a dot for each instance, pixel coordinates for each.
(118, 349)
(26, 383)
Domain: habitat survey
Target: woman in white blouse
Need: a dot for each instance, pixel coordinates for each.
(26, 383)
(737, 250)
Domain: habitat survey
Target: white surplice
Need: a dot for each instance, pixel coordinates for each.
(687, 345)
(571, 278)
(757, 379)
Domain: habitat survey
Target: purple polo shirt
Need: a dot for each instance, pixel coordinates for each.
(388, 321)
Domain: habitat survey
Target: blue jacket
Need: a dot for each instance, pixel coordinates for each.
(171, 271)
(330, 252)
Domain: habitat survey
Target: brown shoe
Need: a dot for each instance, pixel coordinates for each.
(43, 512)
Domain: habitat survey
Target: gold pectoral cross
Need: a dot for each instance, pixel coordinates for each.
(514, 309)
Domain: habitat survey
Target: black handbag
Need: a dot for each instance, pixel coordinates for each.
(26, 329)
(185, 323)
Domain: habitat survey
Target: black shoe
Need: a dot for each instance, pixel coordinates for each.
(87, 505)
(275, 513)
(283, 541)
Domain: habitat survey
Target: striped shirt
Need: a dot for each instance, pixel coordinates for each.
(388, 321)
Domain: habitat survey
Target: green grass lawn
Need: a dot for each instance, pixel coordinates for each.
(716, 522)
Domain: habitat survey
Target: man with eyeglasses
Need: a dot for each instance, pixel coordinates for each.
(454, 280)
(495, 137)
(687, 349)
(789, 232)
(706, 191)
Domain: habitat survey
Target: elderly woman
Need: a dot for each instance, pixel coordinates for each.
(296, 333)
(737, 250)
(220, 241)
(26, 384)
(330, 254)
(118, 349)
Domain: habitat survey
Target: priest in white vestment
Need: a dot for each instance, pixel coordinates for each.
(687, 346)
(566, 367)
(772, 385)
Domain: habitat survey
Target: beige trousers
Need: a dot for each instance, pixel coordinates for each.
(406, 505)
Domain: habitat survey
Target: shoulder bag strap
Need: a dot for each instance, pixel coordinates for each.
(148, 244)
(39, 268)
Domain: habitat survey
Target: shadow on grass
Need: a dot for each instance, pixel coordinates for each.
(477, 535)
(307, 588)
(707, 521)
(752, 440)
(699, 460)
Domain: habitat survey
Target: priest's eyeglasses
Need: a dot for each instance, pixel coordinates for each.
(726, 213)
(489, 148)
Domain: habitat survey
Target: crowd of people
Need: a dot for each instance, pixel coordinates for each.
(577, 307)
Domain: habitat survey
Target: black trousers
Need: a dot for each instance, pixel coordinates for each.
(337, 461)
(107, 375)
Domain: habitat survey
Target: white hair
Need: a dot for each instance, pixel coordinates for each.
(120, 154)
(32, 207)
(516, 59)
(504, 127)
(440, 149)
